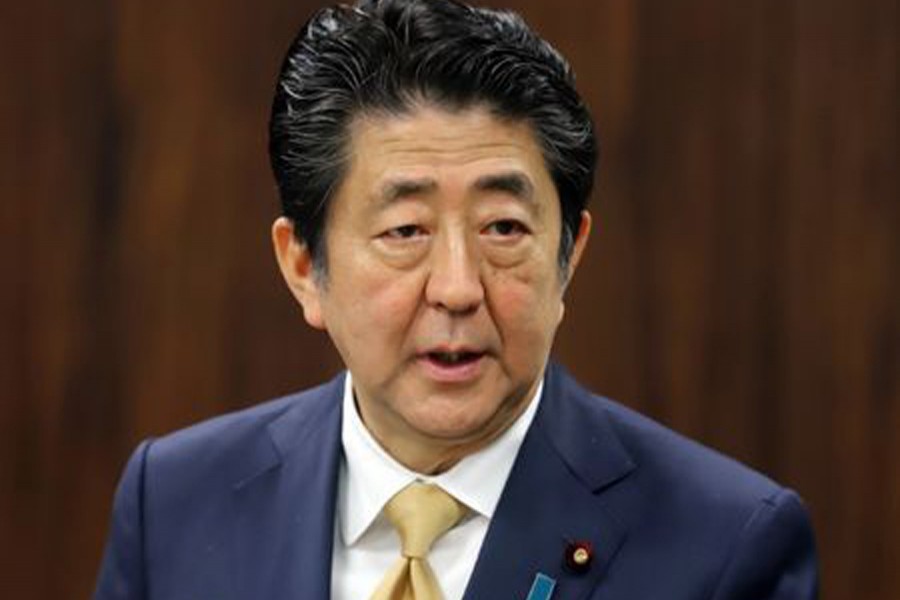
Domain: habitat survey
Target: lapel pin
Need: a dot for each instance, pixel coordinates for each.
(541, 588)
(579, 555)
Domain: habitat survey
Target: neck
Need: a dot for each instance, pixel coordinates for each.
(425, 460)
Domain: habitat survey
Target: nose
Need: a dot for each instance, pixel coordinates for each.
(454, 280)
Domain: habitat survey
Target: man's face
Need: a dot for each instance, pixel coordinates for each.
(443, 291)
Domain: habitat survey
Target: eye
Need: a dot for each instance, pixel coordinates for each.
(506, 228)
(404, 232)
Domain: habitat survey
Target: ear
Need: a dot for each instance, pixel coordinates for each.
(297, 268)
(578, 246)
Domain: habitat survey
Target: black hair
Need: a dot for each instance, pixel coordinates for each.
(384, 56)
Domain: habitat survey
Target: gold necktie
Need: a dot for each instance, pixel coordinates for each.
(420, 513)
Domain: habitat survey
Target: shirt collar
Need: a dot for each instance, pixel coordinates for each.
(370, 476)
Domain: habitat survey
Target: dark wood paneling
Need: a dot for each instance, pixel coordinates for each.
(741, 284)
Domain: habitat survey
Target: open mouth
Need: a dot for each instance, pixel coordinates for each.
(458, 366)
(453, 359)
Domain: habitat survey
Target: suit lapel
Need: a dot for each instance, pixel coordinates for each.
(555, 497)
(284, 503)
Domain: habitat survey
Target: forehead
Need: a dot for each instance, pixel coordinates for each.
(442, 151)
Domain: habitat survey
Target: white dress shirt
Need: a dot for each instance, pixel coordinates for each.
(365, 543)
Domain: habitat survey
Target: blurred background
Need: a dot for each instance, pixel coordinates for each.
(742, 284)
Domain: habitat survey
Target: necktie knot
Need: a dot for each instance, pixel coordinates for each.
(421, 513)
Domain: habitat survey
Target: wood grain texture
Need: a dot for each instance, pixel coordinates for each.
(742, 284)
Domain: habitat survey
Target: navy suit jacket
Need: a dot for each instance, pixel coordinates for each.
(242, 508)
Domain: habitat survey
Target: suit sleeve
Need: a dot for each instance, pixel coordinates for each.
(775, 556)
(121, 574)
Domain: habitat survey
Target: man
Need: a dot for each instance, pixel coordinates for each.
(434, 162)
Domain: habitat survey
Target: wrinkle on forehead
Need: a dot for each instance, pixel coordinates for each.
(515, 183)
(403, 155)
(425, 133)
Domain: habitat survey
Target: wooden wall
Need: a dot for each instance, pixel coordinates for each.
(742, 284)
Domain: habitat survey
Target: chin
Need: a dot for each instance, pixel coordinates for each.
(454, 425)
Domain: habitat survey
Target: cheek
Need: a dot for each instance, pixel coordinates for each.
(378, 305)
(526, 309)
(394, 306)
